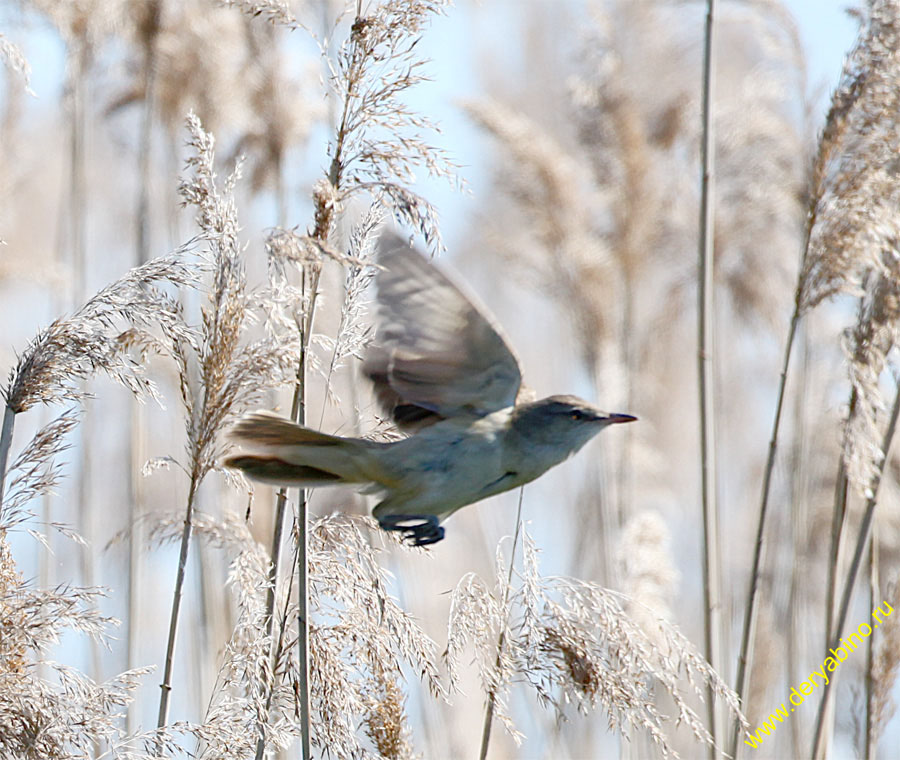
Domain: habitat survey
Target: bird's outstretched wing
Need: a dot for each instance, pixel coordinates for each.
(437, 352)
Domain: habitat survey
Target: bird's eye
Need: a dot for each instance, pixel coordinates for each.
(576, 415)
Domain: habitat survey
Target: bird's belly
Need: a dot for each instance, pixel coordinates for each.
(449, 474)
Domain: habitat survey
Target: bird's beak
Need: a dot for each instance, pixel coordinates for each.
(614, 419)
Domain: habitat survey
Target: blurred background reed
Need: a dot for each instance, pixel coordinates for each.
(190, 193)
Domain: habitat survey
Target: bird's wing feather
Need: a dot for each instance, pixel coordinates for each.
(437, 352)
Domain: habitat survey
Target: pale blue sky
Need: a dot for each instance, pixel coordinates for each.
(827, 32)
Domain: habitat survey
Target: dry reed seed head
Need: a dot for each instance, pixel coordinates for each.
(238, 710)
(385, 722)
(16, 62)
(867, 347)
(573, 642)
(353, 332)
(68, 351)
(201, 64)
(648, 571)
(83, 24)
(36, 471)
(583, 672)
(276, 12)
(326, 201)
(13, 647)
(233, 374)
(561, 206)
(378, 145)
(761, 157)
(886, 665)
(359, 634)
(63, 714)
(854, 214)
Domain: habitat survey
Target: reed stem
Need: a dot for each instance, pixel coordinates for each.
(865, 532)
(492, 695)
(705, 351)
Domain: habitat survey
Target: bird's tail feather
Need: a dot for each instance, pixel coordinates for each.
(282, 452)
(266, 429)
(278, 472)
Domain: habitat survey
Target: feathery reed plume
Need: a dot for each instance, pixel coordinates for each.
(855, 190)
(67, 714)
(372, 152)
(15, 61)
(378, 144)
(851, 219)
(36, 470)
(96, 338)
(238, 709)
(385, 723)
(853, 243)
(231, 374)
(352, 333)
(648, 574)
(572, 641)
(360, 638)
(276, 12)
(282, 113)
(867, 346)
(558, 199)
(885, 669)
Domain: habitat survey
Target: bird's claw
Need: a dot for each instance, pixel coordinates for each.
(425, 531)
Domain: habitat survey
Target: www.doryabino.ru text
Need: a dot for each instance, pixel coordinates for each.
(820, 677)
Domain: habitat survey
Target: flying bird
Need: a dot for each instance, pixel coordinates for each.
(443, 370)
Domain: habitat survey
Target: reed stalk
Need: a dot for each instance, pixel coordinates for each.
(166, 684)
(751, 610)
(6, 434)
(870, 744)
(705, 373)
(501, 641)
(863, 537)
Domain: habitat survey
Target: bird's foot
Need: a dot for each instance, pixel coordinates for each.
(425, 529)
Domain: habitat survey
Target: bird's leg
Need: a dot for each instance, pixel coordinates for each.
(425, 531)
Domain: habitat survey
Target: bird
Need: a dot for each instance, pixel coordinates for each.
(444, 371)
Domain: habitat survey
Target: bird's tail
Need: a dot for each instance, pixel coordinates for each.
(282, 452)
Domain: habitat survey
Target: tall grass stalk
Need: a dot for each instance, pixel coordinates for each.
(798, 597)
(705, 353)
(219, 374)
(298, 414)
(870, 743)
(751, 608)
(863, 537)
(6, 434)
(357, 164)
(174, 617)
(492, 695)
(79, 58)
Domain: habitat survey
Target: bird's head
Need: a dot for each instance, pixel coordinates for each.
(563, 422)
